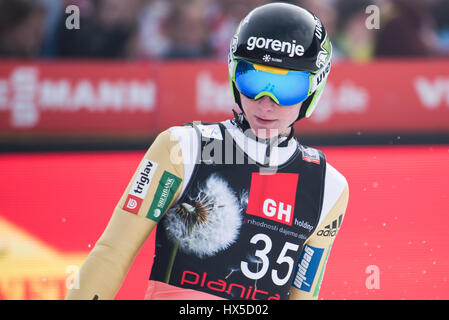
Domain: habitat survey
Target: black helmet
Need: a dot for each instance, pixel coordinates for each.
(285, 36)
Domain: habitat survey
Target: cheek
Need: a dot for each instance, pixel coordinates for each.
(290, 114)
(248, 105)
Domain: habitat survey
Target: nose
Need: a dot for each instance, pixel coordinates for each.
(267, 103)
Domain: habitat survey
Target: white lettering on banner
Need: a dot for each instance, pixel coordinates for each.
(107, 96)
(24, 82)
(54, 94)
(115, 96)
(83, 95)
(212, 96)
(432, 93)
(3, 94)
(26, 95)
(346, 98)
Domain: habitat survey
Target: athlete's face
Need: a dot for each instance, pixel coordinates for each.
(268, 119)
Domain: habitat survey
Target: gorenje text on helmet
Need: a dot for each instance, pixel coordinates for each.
(276, 45)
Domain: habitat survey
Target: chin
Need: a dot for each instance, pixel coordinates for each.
(266, 133)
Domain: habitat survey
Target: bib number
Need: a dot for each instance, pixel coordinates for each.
(263, 261)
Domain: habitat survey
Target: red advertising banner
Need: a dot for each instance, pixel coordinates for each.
(144, 98)
(198, 91)
(392, 243)
(81, 98)
(382, 96)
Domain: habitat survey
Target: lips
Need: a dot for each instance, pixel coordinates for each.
(264, 121)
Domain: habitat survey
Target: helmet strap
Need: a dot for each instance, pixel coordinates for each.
(237, 96)
(305, 105)
(240, 121)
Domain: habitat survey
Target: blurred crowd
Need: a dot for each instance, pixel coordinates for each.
(188, 29)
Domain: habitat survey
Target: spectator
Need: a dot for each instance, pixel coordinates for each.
(227, 14)
(408, 30)
(54, 10)
(201, 28)
(441, 14)
(21, 28)
(325, 9)
(104, 33)
(153, 40)
(188, 30)
(354, 40)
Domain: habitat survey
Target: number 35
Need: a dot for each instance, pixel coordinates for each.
(262, 255)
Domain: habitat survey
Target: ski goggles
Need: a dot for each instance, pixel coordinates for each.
(285, 87)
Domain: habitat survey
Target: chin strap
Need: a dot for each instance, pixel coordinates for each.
(240, 121)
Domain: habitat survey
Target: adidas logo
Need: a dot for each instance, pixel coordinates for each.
(330, 230)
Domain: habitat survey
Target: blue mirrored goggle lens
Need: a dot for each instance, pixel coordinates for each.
(289, 89)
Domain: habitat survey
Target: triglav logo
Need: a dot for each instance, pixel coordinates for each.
(132, 203)
(140, 185)
(291, 48)
(143, 179)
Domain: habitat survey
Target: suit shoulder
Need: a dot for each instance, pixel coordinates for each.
(335, 177)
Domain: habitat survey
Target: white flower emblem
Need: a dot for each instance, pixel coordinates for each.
(208, 225)
(266, 58)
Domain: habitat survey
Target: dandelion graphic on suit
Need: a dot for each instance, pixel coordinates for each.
(208, 224)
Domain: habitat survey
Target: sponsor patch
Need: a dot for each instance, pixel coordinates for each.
(132, 204)
(310, 155)
(273, 196)
(331, 229)
(168, 185)
(210, 131)
(290, 48)
(320, 278)
(140, 185)
(307, 267)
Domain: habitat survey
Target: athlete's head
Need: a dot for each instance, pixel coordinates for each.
(279, 60)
